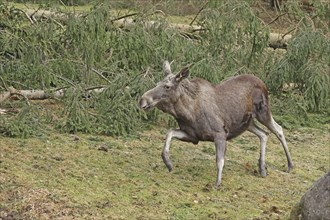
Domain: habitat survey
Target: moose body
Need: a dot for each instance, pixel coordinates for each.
(217, 113)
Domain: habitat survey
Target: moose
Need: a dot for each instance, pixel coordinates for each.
(216, 113)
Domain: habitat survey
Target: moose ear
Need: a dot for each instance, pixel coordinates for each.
(166, 68)
(184, 73)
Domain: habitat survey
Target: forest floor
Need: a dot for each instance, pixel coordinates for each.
(61, 176)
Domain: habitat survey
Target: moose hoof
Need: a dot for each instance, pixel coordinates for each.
(169, 166)
(167, 162)
(290, 167)
(217, 186)
(263, 173)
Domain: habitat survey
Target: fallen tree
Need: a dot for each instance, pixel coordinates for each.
(276, 40)
(32, 94)
(57, 58)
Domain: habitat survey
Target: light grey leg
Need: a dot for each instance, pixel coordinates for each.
(278, 131)
(262, 135)
(174, 133)
(220, 148)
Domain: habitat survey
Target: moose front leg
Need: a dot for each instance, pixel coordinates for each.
(220, 148)
(174, 133)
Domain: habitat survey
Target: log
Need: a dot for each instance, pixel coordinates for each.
(277, 40)
(13, 93)
(39, 94)
(4, 96)
(32, 13)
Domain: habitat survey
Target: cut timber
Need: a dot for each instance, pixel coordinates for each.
(39, 94)
(128, 23)
(12, 93)
(29, 94)
(277, 40)
(4, 96)
(43, 13)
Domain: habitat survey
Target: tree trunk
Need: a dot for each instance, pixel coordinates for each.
(275, 4)
(40, 94)
(277, 40)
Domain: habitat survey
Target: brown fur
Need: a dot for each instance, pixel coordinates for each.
(208, 112)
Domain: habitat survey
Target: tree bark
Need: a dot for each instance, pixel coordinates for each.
(277, 40)
(13, 93)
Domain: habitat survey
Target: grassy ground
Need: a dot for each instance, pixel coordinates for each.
(97, 177)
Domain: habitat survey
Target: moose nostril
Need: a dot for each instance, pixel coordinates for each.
(145, 103)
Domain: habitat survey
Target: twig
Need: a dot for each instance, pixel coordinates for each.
(199, 30)
(200, 10)
(100, 74)
(3, 82)
(188, 35)
(189, 65)
(124, 16)
(5, 31)
(65, 79)
(157, 11)
(35, 11)
(288, 32)
(63, 4)
(58, 23)
(95, 87)
(19, 94)
(312, 22)
(277, 5)
(26, 5)
(275, 19)
(146, 73)
(28, 17)
(239, 70)
(18, 83)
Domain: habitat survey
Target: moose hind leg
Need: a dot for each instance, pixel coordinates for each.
(174, 133)
(262, 135)
(220, 148)
(278, 131)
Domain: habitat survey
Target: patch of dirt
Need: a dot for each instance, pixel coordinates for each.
(23, 203)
